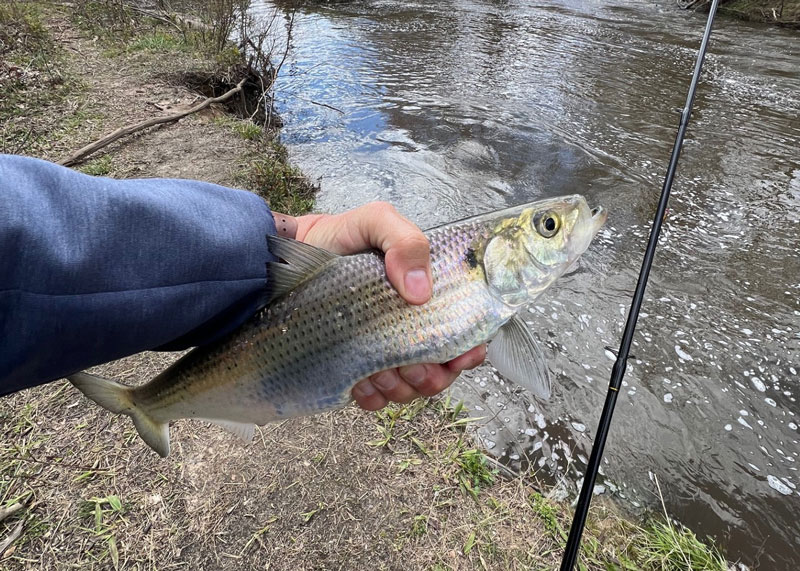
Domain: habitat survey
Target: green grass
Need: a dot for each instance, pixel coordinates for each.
(102, 516)
(282, 185)
(474, 472)
(106, 20)
(100, 166)
(22, 28)
(247, 130)
(548, 511)
(662, 545)
(159, 41)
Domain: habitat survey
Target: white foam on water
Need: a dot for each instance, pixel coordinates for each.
(579, 427)
(683, 354)
(778, 486)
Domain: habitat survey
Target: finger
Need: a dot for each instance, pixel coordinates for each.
(367, 396)
(377, 225)
(468, 360)
(407, 250)
(428, 379)
(393, 387)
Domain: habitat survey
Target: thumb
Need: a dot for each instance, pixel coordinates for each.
(407, 250)
(408, 267)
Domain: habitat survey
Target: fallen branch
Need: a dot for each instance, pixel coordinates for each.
(10, 510)
(15, 533)
(162, 17)
(84, 152)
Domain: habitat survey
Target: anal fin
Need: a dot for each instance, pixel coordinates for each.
(243, 430)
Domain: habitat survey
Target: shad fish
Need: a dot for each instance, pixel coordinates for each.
(332, 320)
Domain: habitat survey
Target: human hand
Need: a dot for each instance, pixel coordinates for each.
(407, 257)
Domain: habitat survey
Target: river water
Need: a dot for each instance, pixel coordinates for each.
(448, 109)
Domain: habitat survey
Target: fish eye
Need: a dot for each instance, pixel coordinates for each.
(547, 224)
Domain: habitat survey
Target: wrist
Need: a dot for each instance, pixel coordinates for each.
(285, 225)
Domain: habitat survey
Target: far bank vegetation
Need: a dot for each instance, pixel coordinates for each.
(781, 12)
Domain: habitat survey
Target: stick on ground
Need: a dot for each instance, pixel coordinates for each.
(10, 510)
(15, 533)
(84, 152)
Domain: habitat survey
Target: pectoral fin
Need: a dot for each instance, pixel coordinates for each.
(517, 355)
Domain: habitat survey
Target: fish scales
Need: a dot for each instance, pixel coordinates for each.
(296, 356)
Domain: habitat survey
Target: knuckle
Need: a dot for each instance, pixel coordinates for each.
(380, 209)
(416, 243)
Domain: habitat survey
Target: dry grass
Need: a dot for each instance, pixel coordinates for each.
(401, 489)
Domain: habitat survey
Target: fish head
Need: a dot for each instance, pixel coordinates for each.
(530, 247)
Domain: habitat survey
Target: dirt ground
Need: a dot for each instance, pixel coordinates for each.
(400, 489)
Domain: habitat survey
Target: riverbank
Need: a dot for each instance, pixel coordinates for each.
(400, 489)
(780, 12)
(785, 13)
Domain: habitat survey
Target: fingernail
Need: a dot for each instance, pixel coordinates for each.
(413, 374)
(364, 389)
(417, 284)
(385, 381)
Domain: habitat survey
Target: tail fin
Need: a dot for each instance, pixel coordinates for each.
(118, 398)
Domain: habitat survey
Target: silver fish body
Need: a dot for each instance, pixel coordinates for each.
(343, 321)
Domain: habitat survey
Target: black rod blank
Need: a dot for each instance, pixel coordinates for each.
(618, 371)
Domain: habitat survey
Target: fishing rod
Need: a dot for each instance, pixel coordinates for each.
(618, 371)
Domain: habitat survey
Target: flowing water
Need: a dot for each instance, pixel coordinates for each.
(448, 109)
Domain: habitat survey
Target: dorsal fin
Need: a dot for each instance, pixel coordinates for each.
(301, 262)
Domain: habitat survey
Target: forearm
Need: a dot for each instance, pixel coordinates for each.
(92, 269)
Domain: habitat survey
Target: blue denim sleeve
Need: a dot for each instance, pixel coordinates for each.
(93, 269)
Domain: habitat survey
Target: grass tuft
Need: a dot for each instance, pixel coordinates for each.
(247, 130)
(100, 166)
(285, 188)
(157, 41)
(662, 545)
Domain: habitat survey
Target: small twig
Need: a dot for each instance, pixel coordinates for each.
(325, 105)
(289, 29)
(15, 533)
(502, 468)
(10, 510)
(82, 153)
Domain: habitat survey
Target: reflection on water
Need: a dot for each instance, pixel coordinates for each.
(452, 108)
